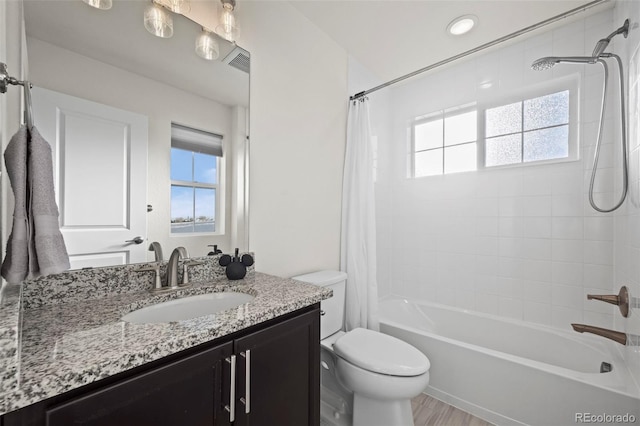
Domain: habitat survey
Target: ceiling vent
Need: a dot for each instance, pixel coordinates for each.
(238, 58)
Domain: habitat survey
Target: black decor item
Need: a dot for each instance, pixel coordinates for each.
(236, 267)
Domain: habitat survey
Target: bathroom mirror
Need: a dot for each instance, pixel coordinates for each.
(107, 59)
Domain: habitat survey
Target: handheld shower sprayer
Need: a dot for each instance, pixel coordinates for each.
(598, 57)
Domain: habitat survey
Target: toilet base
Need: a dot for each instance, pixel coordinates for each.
(375, 412)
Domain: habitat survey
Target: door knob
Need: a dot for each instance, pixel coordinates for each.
(136, 240)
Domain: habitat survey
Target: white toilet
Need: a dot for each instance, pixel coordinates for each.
(366, 375)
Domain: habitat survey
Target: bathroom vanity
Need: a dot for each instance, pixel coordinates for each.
(256, 364)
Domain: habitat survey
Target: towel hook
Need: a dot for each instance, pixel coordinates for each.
(6, 79)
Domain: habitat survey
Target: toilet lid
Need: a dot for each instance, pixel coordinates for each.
(381, 353)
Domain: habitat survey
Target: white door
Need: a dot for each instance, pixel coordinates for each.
(100, 174)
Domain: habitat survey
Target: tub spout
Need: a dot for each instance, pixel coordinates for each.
(616, 336)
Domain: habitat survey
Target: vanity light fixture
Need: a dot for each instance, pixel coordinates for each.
(158, 20)
(462, 24)
(99, 4)
(228, 27)
(207, 45)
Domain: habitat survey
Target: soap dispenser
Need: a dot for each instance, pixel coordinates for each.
(215, 250)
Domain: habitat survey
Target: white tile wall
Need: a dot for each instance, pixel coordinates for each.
(626, 259)
(519, 242)
(523, 242)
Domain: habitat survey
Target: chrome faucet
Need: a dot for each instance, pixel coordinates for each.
(172, 267)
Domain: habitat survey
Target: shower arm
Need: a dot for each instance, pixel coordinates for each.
(600, 131)
(621, 300)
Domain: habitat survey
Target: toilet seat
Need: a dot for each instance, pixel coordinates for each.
(381, 353)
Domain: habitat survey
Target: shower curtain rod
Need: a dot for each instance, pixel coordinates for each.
(482, 47)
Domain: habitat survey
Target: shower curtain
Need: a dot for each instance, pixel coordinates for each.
(358, 240)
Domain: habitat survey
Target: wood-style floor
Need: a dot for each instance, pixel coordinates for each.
(428, 411)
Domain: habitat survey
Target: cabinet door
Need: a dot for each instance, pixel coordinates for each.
(184, 392)
(281, 366)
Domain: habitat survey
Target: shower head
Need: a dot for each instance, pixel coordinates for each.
(544, 63)
(549, 61)
(603, 43)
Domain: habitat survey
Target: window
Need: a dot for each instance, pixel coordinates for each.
(527, 130)
(195, 180)
(445, 142)
(534, 129)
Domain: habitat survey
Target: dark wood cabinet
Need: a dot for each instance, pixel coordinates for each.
(184, 392)
(280, 365)
(275, 376)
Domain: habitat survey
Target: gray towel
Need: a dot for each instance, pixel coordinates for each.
(35, 246)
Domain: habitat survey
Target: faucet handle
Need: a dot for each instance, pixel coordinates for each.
(185, 269)
(155, 267)
(621, 300)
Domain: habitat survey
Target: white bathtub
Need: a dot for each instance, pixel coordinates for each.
(510, 372)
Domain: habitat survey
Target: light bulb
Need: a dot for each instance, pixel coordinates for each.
(99, 4)
(207, 46)
(158, 21)
(228, 27)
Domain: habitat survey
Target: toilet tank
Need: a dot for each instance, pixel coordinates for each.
(332, 310)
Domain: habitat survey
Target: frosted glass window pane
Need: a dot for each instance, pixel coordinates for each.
(546, 111)
(428, 163)
(503, 120)
(546, 144)
(204, 168)
(503, 150)
(205, 209)
(181, 164)
(460, 158)
(428, 135)
(181, 209)
(460, 128)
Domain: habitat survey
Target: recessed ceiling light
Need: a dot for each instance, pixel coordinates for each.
(462, 24)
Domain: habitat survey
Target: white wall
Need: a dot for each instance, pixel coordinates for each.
(58, 69)
(627, 219)
(518, 242)
(298, 126)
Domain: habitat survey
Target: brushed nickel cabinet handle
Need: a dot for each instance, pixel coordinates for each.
(247, 381)
(231, 408)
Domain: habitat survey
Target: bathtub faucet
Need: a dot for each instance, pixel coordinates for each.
(616, 336)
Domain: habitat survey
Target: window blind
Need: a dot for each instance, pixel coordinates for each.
(196, 140)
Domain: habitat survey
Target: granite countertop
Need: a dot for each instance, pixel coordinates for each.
(53, 348)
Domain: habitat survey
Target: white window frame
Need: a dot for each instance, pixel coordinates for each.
(196, 140)
(570, 83)
(438, 115)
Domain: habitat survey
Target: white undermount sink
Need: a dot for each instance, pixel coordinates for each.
(187, 307)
